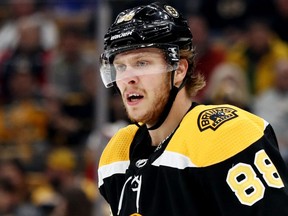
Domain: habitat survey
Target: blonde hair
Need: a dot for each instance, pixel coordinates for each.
(194, 80)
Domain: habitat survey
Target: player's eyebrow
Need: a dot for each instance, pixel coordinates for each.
(137, 54)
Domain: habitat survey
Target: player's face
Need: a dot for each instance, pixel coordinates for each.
(144, 94)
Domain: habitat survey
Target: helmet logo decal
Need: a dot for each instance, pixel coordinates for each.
(173, 53)
(121, 35)
(125, 17)
(215, 117)
(172, 11)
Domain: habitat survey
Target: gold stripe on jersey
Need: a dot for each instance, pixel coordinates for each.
(118, 147)
(211, 146)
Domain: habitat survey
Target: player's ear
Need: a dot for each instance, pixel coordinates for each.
(181, 71)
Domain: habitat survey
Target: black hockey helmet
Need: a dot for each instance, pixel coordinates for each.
(154, 25)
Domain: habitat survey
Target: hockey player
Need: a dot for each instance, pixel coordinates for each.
(180, 158)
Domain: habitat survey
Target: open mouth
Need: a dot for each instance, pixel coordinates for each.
(134, 97)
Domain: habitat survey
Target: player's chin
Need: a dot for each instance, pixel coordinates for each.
(136, 116)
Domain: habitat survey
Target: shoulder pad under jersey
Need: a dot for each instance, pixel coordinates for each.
(117, 148)
(209, 134)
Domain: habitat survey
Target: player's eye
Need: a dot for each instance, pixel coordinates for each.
(141, 64)
(120, 67)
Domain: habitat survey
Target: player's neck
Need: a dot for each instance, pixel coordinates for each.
(180, 107)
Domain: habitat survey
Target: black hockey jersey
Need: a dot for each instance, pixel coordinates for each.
(221, 160)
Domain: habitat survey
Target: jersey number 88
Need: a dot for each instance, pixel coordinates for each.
(243, 181)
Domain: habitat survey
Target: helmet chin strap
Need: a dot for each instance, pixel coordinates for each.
(172, 95)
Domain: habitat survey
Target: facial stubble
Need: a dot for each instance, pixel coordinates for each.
(156, 107)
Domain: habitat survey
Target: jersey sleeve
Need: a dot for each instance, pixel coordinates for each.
(114, 162)
(236, 155)
(252, 182)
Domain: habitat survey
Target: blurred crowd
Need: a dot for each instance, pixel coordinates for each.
(49, 144)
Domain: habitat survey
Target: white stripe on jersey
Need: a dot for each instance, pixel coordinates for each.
(174, 160)
(111, 169)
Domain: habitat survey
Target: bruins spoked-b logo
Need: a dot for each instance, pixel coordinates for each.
(172, 11)
(215, 117)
